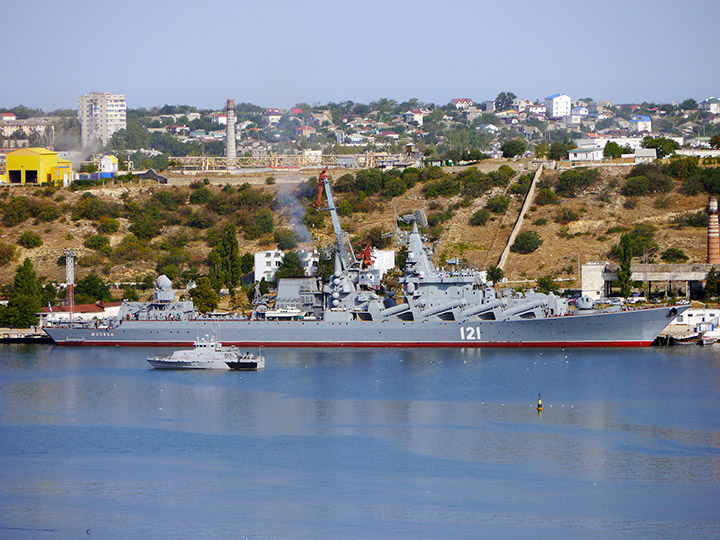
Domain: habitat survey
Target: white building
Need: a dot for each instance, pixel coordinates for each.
(645, 155)
(536, 108)
(108, 164)
(267, 263)
(558, 105)
(572, 120)
(462, 103)
(711, 104)
(100, 115)
(640, 123)
(633, 142)
(585, 154)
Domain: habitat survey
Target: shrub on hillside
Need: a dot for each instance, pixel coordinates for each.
(260, 223)
(167, 200)
(108, 225)
(646, 179)
(526, 242)
(30, 240)
(498, 204)
(395, 187)
(431, 173)
(674, 255)
(92, 208)
(545, 196)
(640, 185)
(571, 182)
(15, 211)
(98, 242)
(201, 195)
(45, 211)
(691, 219)
(130, 248)
(522, 186)
(480, 217)
(565, 215)
(7, 252)
(447, 187)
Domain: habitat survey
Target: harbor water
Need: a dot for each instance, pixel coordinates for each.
(362, 443)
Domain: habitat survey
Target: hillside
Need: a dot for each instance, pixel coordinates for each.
(182, 227)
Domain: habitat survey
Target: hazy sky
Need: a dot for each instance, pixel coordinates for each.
(276, 53)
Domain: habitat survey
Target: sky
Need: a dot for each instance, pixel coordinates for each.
(278, 53)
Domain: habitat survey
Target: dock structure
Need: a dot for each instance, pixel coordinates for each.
(23, 335)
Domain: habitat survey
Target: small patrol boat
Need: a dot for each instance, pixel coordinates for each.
(207, 353)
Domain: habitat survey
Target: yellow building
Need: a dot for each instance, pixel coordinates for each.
(37, 166)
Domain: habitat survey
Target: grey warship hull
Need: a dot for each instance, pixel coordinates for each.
(628, 328)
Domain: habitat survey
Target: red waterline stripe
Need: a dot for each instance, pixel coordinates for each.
(373, 344)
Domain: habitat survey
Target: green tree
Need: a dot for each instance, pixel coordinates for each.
(624, 271)
(613, 150)
(711, 284)
(204, 296)
(216, 270)
(90, 289)
(24, 297)
(662, 146)
(513, 147)
(559, 150)
(546, 284)
(715, 141)
(689, 104)
(542, 149)
(290, 267)
(640, 241)
(526, 242)
(224, 260)
(572, 181)
(495, 274)
(247, 263)
(504, 101)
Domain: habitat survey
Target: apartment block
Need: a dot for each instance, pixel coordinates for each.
(558, 105)
(101, 114)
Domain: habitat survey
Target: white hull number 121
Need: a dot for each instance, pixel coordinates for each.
(470, 332)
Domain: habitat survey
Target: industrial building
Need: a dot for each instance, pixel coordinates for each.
(100, 115)
(37, 166)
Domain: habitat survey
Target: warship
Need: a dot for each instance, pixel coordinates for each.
(439, 308)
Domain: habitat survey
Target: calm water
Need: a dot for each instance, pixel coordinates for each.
(362, 444)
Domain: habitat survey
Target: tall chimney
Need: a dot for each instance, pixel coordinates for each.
(230, 152)
(713, 240)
